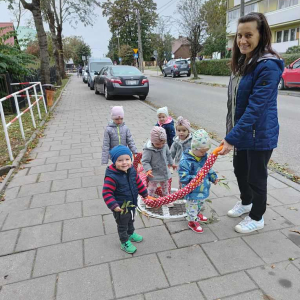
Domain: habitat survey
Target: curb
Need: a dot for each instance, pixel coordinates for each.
(17, 160)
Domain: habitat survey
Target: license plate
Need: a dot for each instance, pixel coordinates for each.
(183, 72)
(131, 82)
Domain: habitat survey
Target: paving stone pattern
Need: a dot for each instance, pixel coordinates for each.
(59, 241)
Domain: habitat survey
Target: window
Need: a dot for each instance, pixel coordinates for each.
(285, 35)
(123, 71)
(250, 8)
(287, 3)
(233, 15)
(293, 34)
(296, 65)
(279, 36)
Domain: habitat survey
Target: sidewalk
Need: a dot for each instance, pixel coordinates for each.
(58, 239)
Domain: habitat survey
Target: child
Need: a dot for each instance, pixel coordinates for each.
(192, 161)
(116, 133)
(166, 122)
(183, 139)
(122, 185)
(156, 161)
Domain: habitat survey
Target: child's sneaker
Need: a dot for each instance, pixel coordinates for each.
(239, 209)
(248, 225)
(202, 218)
(128, 247)
(195, 226)
(135, 238)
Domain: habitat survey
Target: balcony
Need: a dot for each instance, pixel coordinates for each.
(282, 47)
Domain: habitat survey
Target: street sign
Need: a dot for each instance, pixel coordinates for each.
(135, 55)
(135, 50)
(120, 59)
(173, 55)
(83, 57)
(155, 53)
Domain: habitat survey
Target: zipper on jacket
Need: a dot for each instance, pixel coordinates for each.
(118, 128)
(253, 131)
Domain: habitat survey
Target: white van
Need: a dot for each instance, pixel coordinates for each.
(94, 67)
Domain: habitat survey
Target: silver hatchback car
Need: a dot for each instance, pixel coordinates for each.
(177, 67)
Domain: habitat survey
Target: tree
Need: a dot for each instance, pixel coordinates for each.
(113, 49)
(214, 16)
(122, 21)
(126, 53)
(81, 50)
(293, 49)
(193, 27)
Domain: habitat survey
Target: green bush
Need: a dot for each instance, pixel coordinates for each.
(293, 49)
(289, 58)
(218, 67)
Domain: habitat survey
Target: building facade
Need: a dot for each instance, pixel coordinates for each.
(283, 17)
(181, 48)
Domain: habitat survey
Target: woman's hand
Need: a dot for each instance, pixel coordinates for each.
(216, 181)
(226, 148)
(149, 173)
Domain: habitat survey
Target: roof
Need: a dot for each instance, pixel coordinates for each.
(7, 27)
(176, 44)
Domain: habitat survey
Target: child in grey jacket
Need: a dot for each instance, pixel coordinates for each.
(156, 161)
(116, 133)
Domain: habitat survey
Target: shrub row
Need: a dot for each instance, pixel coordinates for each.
(220, 67)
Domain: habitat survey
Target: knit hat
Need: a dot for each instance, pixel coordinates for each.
(118, 151)
(183, 122)
(117, 112)
(163, 110)
(200, 140)
(158, 134)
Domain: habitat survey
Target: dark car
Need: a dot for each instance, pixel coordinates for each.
(177, 67)
(291, 76)
(121, 80)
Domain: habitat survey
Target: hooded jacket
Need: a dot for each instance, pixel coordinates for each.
(189, 166)
(170, 130)
(178, 147)
(157, 160)
(115, 135)
(255, 119)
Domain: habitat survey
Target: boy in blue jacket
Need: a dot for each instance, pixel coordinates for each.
(190, 164)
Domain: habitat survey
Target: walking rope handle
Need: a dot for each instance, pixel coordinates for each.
(157, 202)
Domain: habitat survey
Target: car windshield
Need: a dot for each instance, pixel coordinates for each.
(123, 71)
(181, 62)
(97, 66)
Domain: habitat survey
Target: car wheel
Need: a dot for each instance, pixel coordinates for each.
(281, 85)
(91, 86)
(143, 97)
(106, 94)
(188, 74)
(173, 75)
(96, 91)
(165, 75)
(88, 84)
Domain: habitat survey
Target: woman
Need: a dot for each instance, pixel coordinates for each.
(252, 122)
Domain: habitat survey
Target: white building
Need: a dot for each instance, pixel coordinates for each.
(283, 17)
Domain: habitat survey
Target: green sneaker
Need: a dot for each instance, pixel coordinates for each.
(128, 247)
(135, 238)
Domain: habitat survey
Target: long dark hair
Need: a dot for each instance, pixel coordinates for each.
(238, 61)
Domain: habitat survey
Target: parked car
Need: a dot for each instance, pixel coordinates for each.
(121, 80)
(290, 76)
(85, 74)
(94, 67)
(177, 67)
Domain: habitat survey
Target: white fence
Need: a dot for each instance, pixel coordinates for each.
(15, 95)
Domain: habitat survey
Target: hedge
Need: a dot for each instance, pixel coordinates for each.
(220, 67)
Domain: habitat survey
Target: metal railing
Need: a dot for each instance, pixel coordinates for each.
(15, 95)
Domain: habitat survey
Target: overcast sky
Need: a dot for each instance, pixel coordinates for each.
(98, 35)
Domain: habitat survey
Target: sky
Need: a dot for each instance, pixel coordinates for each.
(98, 35)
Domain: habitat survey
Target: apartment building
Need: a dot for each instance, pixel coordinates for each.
(283, 17)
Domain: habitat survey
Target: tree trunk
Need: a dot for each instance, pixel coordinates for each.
(61, 52)
(35, 8)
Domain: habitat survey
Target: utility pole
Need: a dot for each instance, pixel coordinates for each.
(242, 8)
(140, 46)
(119, 52)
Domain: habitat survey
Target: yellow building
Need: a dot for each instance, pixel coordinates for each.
(283, 17)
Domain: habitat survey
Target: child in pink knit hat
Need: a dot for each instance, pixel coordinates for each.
(116, 133)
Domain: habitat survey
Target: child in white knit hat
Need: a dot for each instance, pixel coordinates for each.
(165, 121)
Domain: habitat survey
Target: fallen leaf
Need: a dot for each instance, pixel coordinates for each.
(293, 208)
(297, 231)
(291, 259)
(273, 266)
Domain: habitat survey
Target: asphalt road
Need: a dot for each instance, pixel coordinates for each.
(206, 106)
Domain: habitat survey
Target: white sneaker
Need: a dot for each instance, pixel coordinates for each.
(239, 209)
(249, 225)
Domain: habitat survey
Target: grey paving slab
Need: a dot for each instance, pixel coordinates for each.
(69, 165)
(21, 173)
(273, 246)
(7, 241)
(41, 149)
(92, 283)
(137, 297)
(286, 195)
(223, 205)
(293, 234)
(80, 145)
(280, 282)
(56, 175)
(272, 202)
(149, 222)
(186, 265)
(236, 255)
(276, 183)
(95, 180)
(254, 295)
(274, 221)
(223, 165)
(24, 218)
(82, 194)
(58, 258)
(138, 268)
(183, 292)
(17, 181)
(56, 160)
(16, 267)
(80, 157)
(82, 228)
(63, 212)
(177, 225)
(66, 184)
(60, 147)
(70, 151)
(91, 163)
(11, 193)
(34, 188)
(85, 174)
(290, 212)
(35, 289)
(48, 154)
(11, 205)
(95, 207)
(39, 236)
(221, 191)
(226, 174)
(35, 162)
(81, 170)
(227, 285)
(3, 215)
(48, 199)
